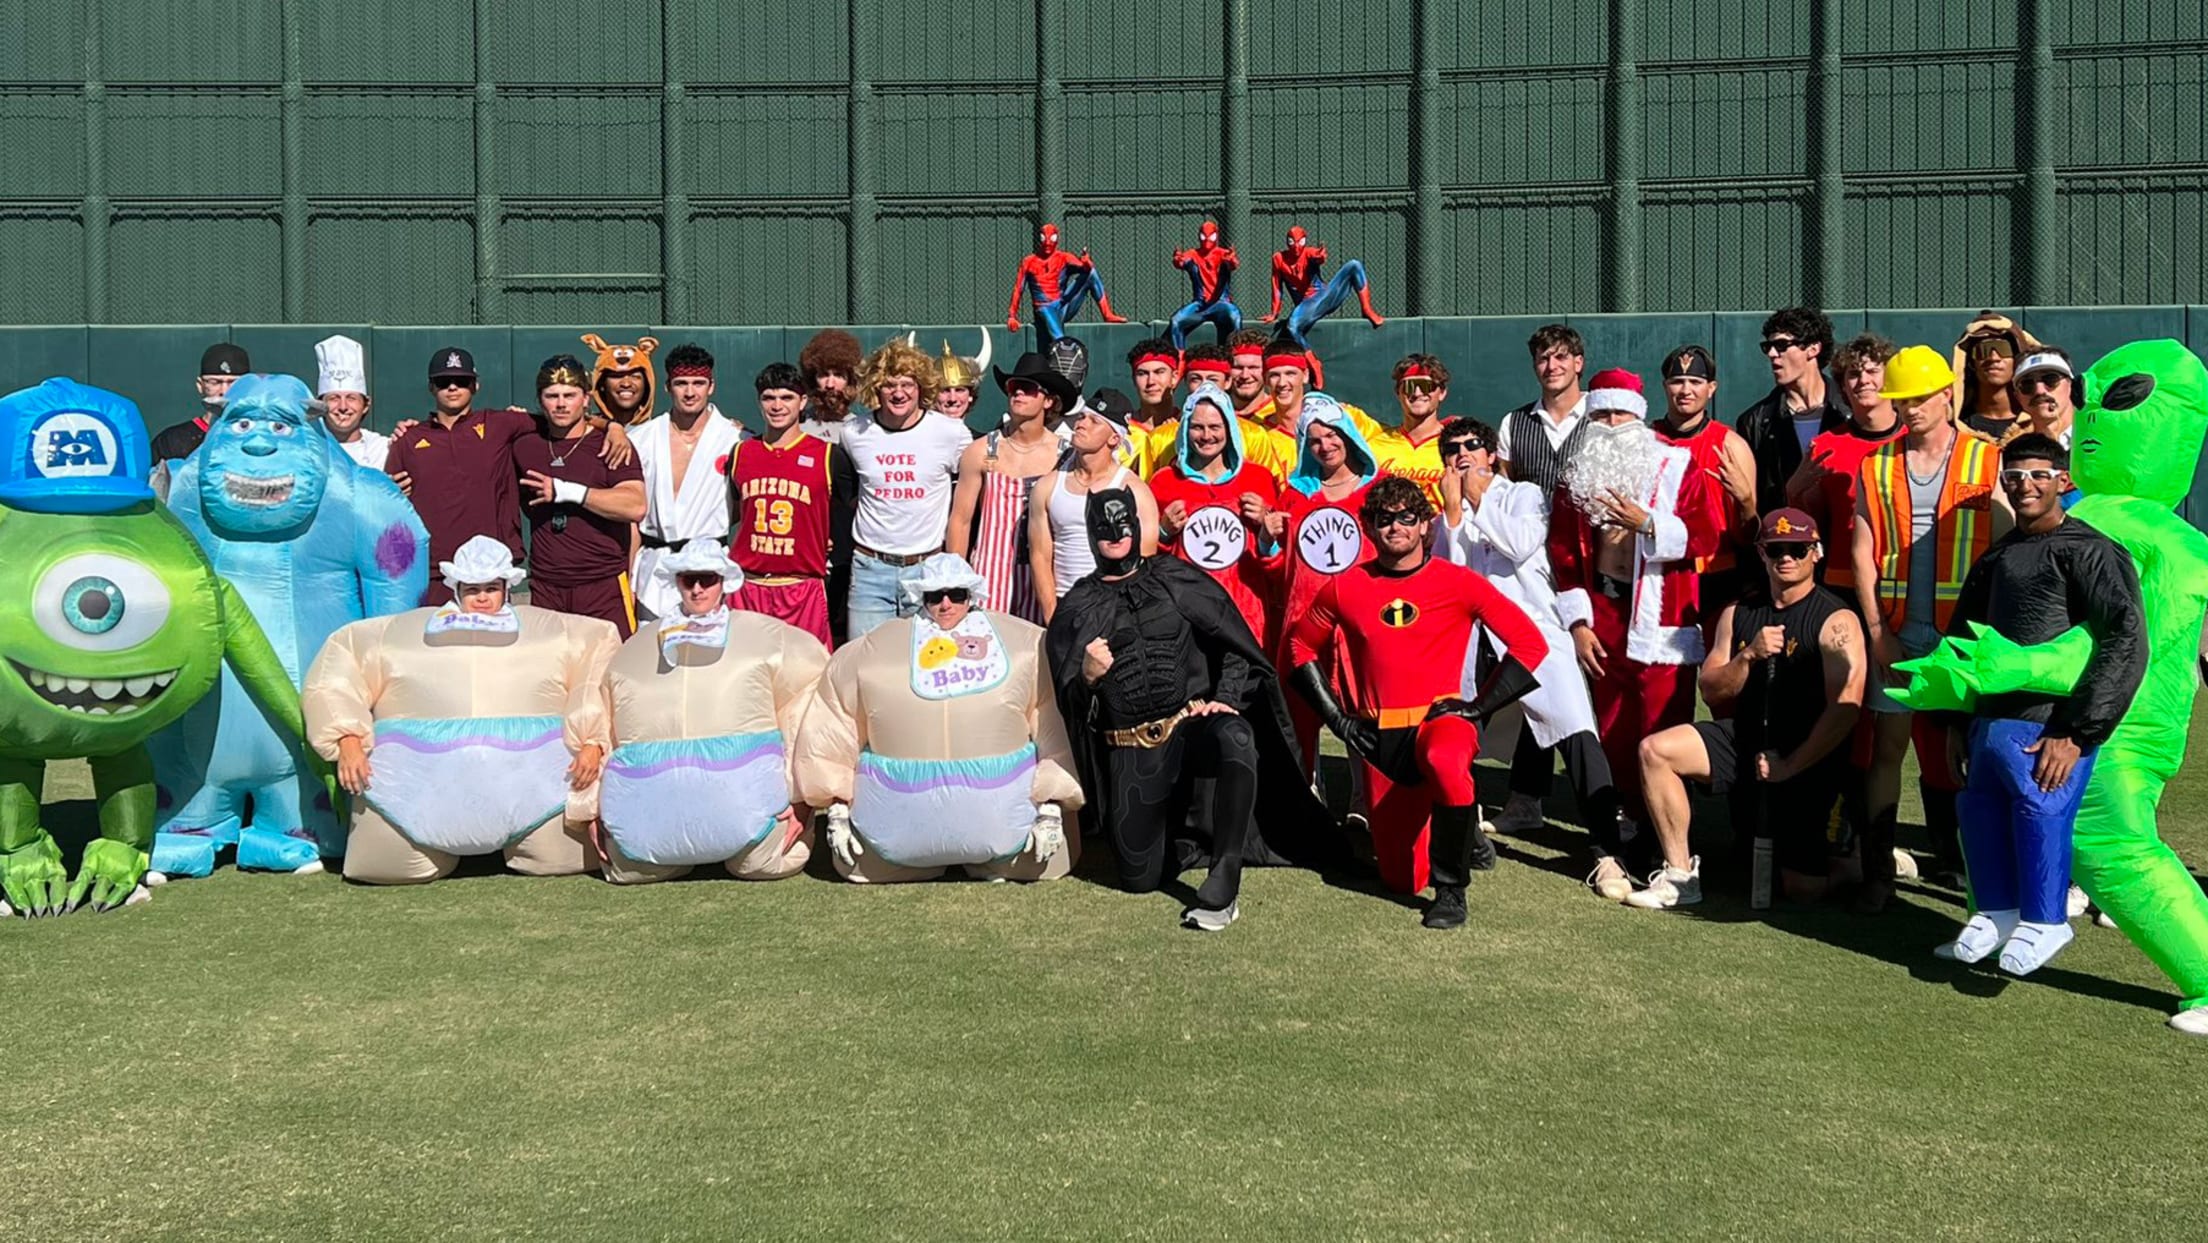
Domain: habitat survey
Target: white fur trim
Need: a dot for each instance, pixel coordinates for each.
(1665, 645)
(1575, 606)
(1617, 399)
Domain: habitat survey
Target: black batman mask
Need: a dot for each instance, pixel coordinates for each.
(1112, 516)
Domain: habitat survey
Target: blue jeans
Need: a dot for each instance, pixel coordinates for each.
(877, 593)
(2016, 836)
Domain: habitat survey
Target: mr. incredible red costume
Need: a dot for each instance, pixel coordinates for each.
(1210, 267)
(1406, 619)
(1057, 283)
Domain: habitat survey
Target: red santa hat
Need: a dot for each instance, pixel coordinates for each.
(1616, 389)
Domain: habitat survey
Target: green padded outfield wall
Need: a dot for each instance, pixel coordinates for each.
(877, 161)
(154, 365)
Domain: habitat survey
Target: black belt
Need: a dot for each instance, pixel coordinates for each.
(895, 558)
(1613, 588)
(652, 541)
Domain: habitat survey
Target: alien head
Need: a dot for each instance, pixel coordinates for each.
(2145, 416)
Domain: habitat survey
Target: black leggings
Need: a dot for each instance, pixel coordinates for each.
(1150, 794)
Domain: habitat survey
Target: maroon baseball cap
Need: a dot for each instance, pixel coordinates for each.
(1787, 526)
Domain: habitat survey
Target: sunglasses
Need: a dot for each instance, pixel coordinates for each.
(955, 595)
(452, 381)
(687, 581)
(2042, 379)
(1398, 518)
(1782, 552)
(1993, 347)
(1778, 345)
(1418, 386)
(1454, 447)
(1022, 388)
(2015, 476)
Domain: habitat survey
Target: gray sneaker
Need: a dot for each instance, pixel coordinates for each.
(1203, 920)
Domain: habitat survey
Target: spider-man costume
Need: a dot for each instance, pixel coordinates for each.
(1057, 283)
(1296, 271)
(1210, 267)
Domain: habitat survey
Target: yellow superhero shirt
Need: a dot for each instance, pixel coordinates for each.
(1418, 461)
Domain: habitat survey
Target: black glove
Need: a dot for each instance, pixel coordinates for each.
(1506, 685)
(1362, 737)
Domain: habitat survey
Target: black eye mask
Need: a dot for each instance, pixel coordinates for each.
(1112, 516)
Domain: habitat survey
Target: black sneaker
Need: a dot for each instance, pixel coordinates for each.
(1447, 908)
(1483, 851)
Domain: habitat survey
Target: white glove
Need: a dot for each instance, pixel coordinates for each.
(841, 840)
(1049, 834)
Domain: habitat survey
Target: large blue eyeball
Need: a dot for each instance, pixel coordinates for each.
(92, 604)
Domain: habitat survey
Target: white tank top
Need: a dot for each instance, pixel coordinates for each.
(1071, 558)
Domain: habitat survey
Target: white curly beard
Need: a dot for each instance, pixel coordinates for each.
(1624, 459)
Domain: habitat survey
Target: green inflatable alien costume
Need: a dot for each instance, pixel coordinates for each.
(114, 626)
(2137, 442)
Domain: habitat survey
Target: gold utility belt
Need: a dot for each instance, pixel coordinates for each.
(1149, 734)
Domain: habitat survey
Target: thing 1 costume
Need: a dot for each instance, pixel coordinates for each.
(471, 721)
(704, 710)
(311, 541)
(116, 627)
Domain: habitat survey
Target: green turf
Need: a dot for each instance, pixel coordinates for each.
(286, 1058)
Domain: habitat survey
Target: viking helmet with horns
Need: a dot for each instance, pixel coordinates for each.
(960, 371)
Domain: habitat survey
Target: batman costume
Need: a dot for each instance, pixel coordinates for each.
(1149, 739)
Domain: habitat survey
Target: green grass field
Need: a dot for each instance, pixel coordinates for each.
(258, 1057)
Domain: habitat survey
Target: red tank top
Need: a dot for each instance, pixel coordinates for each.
(779, 499)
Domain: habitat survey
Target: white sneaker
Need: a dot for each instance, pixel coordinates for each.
(155, 878)
(2032, 945)
(2074, 903)
(1670, 887)
(1905, 865)
(1981, 936)
(1609, 880)
(2193, 1022)
(1204, 920)
(1521, 813)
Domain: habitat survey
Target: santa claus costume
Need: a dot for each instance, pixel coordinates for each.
(1623, 561)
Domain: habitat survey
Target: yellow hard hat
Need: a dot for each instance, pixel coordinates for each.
(1918, 371)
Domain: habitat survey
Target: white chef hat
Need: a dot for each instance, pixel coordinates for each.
(946, 571)
(344, 366)
(700, 556)
(481, 560)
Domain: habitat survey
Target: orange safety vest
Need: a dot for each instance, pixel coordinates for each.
(1964, 527)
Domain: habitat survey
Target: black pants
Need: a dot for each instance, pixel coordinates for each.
(1150, 793)
(1589, 771)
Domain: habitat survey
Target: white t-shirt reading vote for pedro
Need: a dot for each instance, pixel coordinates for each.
(904, 481)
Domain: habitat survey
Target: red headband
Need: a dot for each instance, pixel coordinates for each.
(690, 369)
(1250, 351)
(1158, 356)
(1416, 371)
(1209, 366)
(1288, 360)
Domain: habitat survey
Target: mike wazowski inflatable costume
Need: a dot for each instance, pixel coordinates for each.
(311, 541)
(2136, 444)
(115, 626)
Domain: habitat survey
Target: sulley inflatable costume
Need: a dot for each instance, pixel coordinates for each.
(311, 541)
(117, 626)
(704, 707)
(935, 740)
(472, 728)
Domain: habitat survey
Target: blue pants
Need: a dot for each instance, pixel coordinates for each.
(878, 595)
(1325, 300)
(2016, 837)
(1220, 312)
(1075, 289)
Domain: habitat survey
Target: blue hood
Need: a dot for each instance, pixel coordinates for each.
(1233, 455)
(1320, 408)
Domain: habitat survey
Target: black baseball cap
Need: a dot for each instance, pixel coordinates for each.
(223, 358)
(451, 360)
